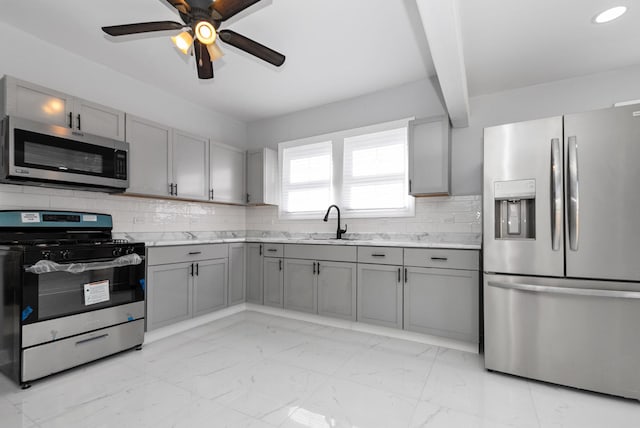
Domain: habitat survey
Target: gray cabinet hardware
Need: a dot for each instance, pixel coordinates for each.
(194, 253)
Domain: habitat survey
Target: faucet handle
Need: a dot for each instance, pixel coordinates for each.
(344, 230)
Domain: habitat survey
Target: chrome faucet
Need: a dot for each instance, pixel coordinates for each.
(340, 231)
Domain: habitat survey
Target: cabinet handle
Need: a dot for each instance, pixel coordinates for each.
(171, 189)
(211, 194)
(399, 276)
(260, 249)
(318, 268)
(191, 269)
(79, 127)
(247, 198)
(175, 186)
(272, 250)
(280, 264)
(195, 253)
(314, 268)
(378, 255)
(197, 269)
(409, 186)
(405, 275)
(70, 120)
(439, 259)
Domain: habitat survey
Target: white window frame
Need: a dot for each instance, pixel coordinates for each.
(337, 144)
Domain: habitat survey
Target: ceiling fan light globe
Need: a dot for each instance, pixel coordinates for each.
(205, 32)
(183, 41)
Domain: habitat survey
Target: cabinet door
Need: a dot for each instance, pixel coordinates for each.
(149, 157)
(429, 156)
(236, 273)
(273, 281)
(210, 286)
(254, 273)
(190, 165)
(227, 174)
(443, 302)
(99, 120)
(168, 294)
(300, 288)
(380, 295)
(255, 171)
(337, 289)
(38, 103)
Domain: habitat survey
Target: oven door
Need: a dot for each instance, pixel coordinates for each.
(52, 290)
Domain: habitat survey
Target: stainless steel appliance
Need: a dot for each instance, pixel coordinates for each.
(55, 156)
(69, 293)
(561, 245)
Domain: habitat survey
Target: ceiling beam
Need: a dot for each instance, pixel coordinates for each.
(441, 23)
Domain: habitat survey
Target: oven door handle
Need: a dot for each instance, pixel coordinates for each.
(47, 266)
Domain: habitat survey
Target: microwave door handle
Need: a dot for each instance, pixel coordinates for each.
(556, 194)
(573, 195)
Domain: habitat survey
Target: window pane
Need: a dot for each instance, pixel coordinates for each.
(307, 200)
(384, 160)
(317, 168)
(377, 196)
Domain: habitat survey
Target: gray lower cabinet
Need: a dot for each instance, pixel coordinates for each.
(237, 273)
(380, 294)
(337, 289)
(442, 302)
(254, 273)
(300, 287)
(168, 294)
(273, 281)
(209, 286)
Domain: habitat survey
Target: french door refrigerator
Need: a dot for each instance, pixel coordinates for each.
(561, 203)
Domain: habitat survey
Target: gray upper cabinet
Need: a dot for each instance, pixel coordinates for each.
(429, 156)
(254, 273)
(209, 286)
(190, 155)
(237, 270)
(380, 294)
(149, 157)
(227, 172)
(31, 101)
(262, 177)
(300, 286)
(337, 289)
(273, 281)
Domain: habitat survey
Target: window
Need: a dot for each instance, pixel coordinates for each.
(363, 170)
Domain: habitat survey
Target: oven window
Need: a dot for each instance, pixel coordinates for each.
(62, 159)
(61, 293)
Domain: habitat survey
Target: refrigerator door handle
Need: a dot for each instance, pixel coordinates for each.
(566, 291)
(556, 194)
(574, 195)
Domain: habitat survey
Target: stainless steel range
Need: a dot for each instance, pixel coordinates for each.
(70, 293)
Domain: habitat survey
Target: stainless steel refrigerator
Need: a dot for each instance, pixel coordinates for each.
(562, 250)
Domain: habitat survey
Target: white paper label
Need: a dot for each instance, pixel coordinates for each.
(30, 217)
(96, 292)
(89, 217)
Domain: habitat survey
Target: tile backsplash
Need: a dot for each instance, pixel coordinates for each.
(437, 215)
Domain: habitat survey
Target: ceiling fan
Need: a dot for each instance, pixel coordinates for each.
(202, 18)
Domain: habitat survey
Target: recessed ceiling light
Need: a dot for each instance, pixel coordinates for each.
(610, 14)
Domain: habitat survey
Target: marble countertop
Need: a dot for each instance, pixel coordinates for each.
(443, 240)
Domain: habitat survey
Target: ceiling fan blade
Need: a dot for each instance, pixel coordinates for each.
(203, 60)
(252, 47)
(141, 27)
(182, 5)
(225, 9)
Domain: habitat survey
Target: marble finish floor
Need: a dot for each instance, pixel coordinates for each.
(258, 371)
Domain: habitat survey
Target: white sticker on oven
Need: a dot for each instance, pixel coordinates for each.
(89, 217)
(96, 292)
(30, 217)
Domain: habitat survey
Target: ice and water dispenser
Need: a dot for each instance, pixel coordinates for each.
(515, 209)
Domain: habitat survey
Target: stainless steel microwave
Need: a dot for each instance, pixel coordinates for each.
(48, 155)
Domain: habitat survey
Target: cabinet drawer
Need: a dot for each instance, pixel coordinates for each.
(339, 253)
(273, 250)
(186, 253)
(380, 255)
(442, 258)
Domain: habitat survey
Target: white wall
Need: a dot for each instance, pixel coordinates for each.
(29, 58)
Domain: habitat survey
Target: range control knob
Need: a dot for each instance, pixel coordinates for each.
(46, 255)
(65, 254)
(117, 252)
(130, 250)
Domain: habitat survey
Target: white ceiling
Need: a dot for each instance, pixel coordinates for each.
(338, 49)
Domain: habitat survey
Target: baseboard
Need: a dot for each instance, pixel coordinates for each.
(183, 326)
